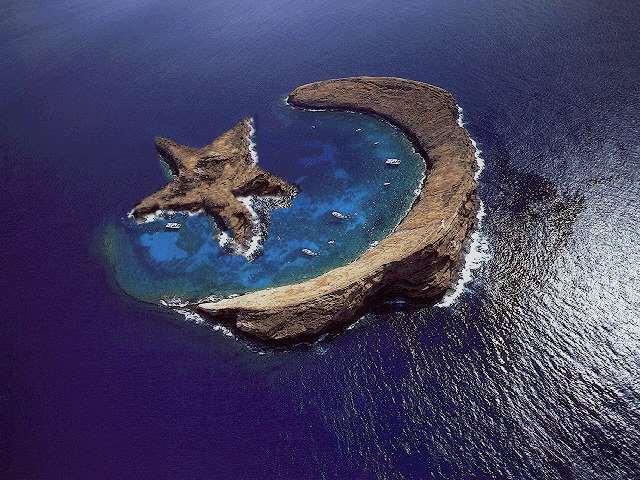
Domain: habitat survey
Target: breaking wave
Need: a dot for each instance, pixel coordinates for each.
(478, 251)
(252, 144)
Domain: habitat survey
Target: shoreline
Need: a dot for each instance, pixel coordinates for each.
(418, 261)
(221, 179)
(475, 255)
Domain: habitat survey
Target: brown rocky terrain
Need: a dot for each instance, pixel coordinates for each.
(212, 178)
(419, 260)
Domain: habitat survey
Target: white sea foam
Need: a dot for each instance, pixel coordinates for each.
(161, 215)
(223, 329)
(312, 109)
(193, 317)
(227, 242)
(460, 114)
(478, 154)
(174, 302)
(259, 208)
(479, 161)
(478, 252)
(190, 316)
(258, 234)
(149, 217)
(252, 144)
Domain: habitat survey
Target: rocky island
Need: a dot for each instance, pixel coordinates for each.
(219, 179)
(420, 260)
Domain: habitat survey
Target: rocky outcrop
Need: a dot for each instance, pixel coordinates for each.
(419, 260)
(216, 179)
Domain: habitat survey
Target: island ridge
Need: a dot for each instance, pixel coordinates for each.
(422, 257)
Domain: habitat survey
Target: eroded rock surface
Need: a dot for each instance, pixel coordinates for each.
(218, 179)
(419, 260)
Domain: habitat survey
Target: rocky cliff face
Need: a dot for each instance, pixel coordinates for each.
(215, 179)
(419, 260)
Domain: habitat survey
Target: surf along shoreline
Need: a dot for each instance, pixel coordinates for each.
(419, 261)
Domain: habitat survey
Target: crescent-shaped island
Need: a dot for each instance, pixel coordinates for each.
(421, 258)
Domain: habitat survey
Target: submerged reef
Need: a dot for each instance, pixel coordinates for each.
(220, 179)
(422, 257)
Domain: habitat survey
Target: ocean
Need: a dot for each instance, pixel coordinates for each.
(531, 372)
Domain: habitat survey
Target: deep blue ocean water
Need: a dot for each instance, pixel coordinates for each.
(534, 372)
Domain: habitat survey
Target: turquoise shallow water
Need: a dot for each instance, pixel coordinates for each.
(338, 161)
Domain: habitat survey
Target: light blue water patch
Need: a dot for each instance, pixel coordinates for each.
(337, 159)
(162, 246)
(341, 174)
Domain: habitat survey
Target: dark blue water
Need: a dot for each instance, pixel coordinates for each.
(337, 161)
(534, 372)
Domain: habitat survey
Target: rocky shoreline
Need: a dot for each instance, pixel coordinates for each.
(419, 261)
(218, 179)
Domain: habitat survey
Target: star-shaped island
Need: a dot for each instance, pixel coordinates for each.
(221, 179)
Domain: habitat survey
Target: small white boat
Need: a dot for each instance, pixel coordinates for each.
(339, 215)
(376, 143)
(173, 226)
(310, 253)
(386, 183)
(373, 244)
(392, 161)
(358, 129)
(331, 242)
